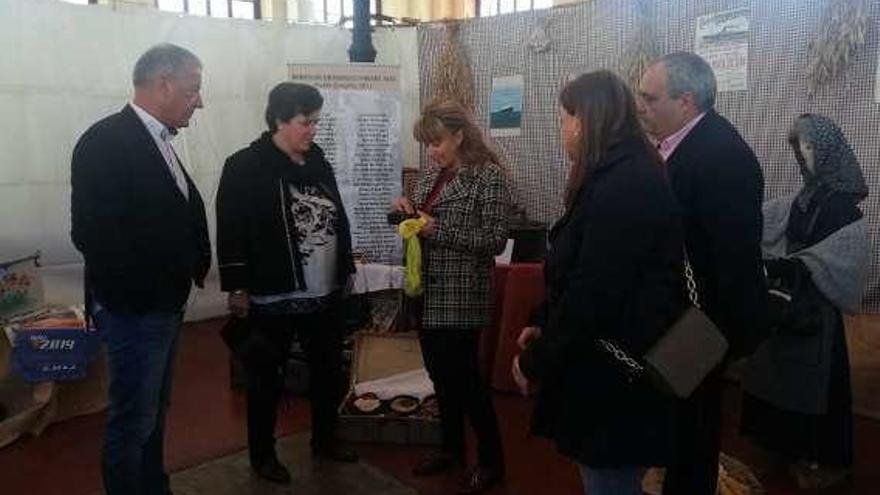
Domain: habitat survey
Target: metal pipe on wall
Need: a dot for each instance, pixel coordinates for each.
(361, 49)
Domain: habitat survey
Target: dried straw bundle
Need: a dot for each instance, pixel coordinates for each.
(842, 31)
(453, 78)
(643, 50)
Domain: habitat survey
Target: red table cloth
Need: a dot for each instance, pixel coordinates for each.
(519, 289)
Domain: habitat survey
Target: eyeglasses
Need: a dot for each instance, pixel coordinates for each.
(307, 122)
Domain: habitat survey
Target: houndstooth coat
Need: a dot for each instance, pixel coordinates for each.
(459, 257)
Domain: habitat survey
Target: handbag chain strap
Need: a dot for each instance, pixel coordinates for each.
(691, 284)
(632, 367)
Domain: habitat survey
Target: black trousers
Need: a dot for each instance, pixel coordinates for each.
(451, 358)
(694, 469)
(321, 335)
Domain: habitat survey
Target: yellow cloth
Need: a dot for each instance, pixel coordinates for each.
(412, 276)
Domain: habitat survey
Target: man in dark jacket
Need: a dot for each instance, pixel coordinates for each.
(139, 222)
(718, 182)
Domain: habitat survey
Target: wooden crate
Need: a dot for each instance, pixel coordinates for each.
(378, 356)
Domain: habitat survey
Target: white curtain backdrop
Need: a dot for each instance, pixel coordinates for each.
(65, 66)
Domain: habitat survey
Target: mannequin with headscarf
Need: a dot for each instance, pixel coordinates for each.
(797, 390)
(832, 178)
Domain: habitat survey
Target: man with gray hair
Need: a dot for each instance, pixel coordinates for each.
(718, 182)
(139, 222)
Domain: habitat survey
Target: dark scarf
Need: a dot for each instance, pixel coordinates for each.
(836, 167)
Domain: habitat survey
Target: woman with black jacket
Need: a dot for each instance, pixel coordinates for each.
(614, 272)
(284, 250)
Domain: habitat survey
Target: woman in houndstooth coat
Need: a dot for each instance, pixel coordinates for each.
(463, 194)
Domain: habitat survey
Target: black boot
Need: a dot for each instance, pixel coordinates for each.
(272, 470)
(437, 463)
(481, 479)
(334, 451)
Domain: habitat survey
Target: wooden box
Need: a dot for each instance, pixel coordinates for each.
(378, 356)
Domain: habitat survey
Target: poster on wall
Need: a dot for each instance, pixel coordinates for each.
(506, 106)
(360, 134)
(877, 83)
(723, 40)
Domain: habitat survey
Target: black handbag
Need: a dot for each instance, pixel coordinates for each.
(409, 319)
(791, 307)
(682, 358)
(793, 304)
(247, 342)
(357, 308)
(358, 311)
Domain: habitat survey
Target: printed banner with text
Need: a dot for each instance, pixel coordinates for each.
(723, 40)
(360, 134)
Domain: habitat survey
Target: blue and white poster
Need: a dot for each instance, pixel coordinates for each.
(506, 106)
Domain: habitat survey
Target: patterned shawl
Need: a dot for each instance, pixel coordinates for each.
(836, 166)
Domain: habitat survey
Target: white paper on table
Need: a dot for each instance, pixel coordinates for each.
(374, 277)
(504, 257)
(415, 383)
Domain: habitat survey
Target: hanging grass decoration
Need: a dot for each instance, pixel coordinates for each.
(842, 31)
(453, 78)
(642, 50)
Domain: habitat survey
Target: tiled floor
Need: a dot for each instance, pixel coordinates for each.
(231, 475)
(207, 422)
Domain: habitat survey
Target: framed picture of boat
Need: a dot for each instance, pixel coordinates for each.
(506, 106)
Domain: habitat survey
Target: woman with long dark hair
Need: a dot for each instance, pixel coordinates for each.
(463, 196)
(613, 272)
